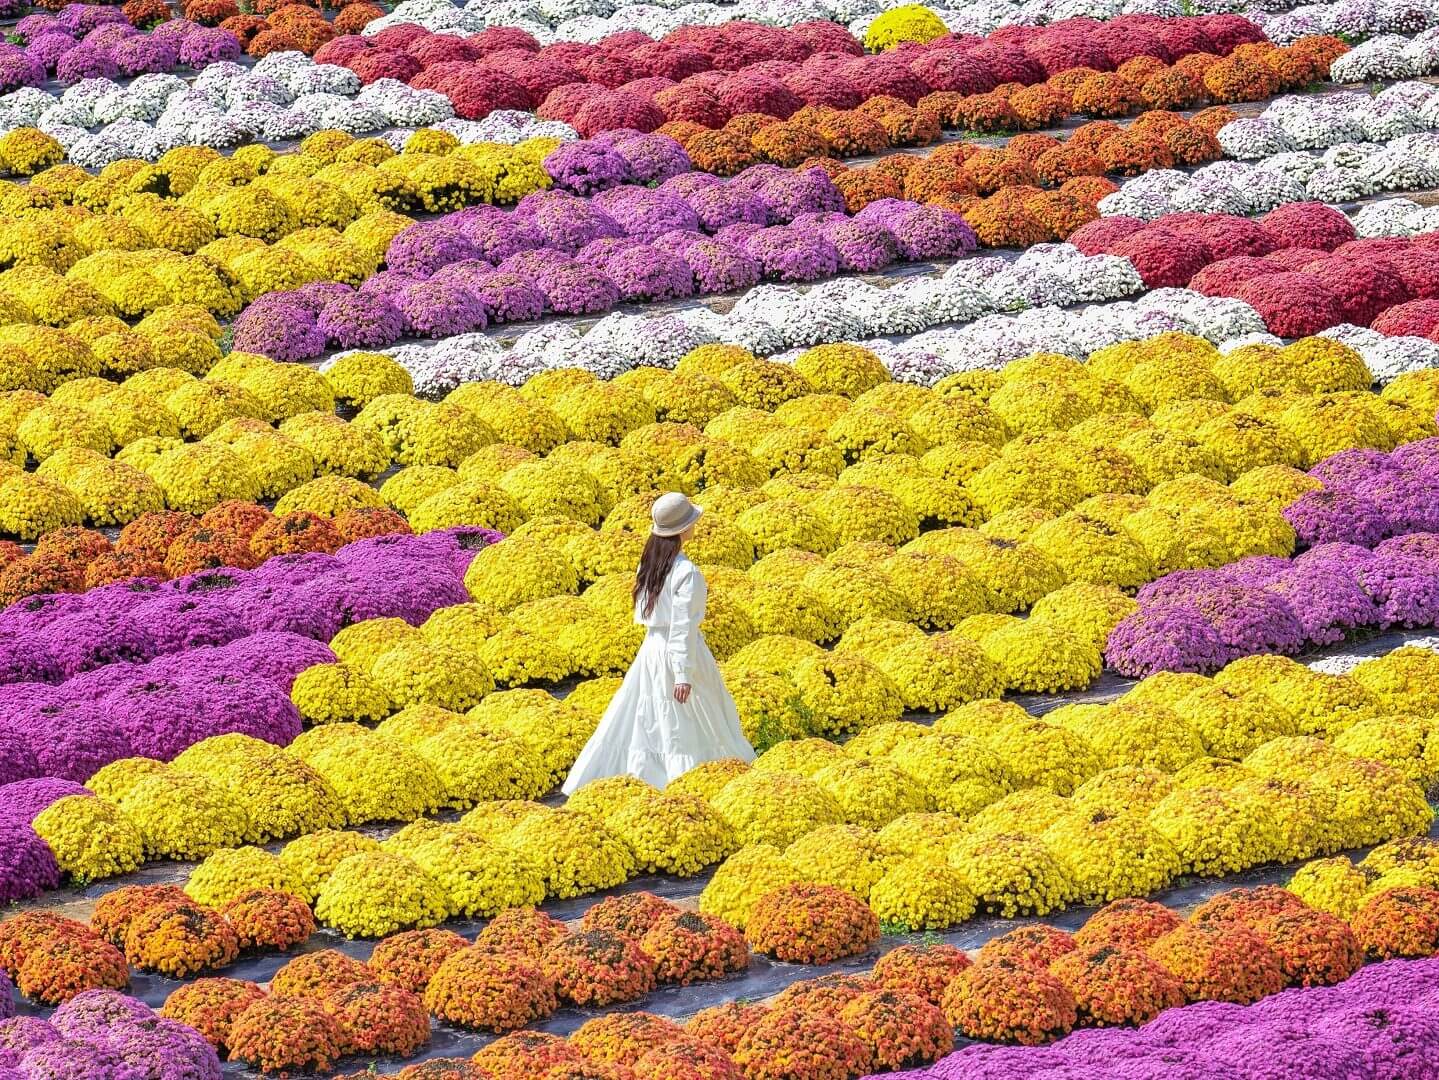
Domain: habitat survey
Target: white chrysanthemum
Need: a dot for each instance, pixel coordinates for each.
(257, 87)
(1382, 57)
(944, 300)
(27, 104)
(1255, 138)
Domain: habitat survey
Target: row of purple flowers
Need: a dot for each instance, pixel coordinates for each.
(101, 1034)
(145, 668)
(1382, 1022)
(83, 41)
(1372, 534)
(557, 252)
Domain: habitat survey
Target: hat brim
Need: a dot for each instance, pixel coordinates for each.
(675, 530)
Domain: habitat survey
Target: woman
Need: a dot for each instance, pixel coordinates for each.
(672, 712)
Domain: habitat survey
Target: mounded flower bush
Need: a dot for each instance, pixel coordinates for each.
(811, 924)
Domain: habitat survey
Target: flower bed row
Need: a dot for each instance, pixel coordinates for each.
(331, 182)
(125, 625)
(253, 218)
(1390, 56)
(41, 358)
(100, 1033)
(1288, 179)
(311, 461)
(780, 321)
(85, 42)
(1335, 1028)
(1319, 122)
(840, 1027)
(946, 88)
(888, 121)
(1199, 620)
(1133, 961)
(607, 271)
(286, 96)
(955, 173)
(862, 818)
(1395, 217)
(1015, 54)
(1344, 20)
(56, 960)
(1130, 962)
(775, 320)
(254, 104)
(1339, 176)
(1317, 277)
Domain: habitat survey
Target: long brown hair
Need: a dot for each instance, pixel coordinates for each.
(656, 562)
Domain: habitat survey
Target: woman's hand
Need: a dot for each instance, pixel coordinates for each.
(682, 692)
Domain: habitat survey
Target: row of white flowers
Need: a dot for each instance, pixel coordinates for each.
(1389, 56)
(1350, 19)
(770, 319)
(1369, 146)
(283, 97)
(1396, 217)
(980, 313)
(99, 122)
(1318, 121)
(620, 342)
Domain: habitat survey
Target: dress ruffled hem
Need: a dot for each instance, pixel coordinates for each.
(645, 733)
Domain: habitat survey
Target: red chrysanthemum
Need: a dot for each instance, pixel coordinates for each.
(1310, 225)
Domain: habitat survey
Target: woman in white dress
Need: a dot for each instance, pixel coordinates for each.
(672, 711)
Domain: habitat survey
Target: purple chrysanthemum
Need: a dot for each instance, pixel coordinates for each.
(1328, 516)
(646, 273)
(439, 309)
(1167, 638)
(721, 268)
(359, 321)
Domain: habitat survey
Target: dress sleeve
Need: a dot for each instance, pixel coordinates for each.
(687, 610)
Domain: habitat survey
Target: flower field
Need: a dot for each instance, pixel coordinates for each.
(1060, 384)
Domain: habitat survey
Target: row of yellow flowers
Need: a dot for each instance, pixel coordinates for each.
(989, 808)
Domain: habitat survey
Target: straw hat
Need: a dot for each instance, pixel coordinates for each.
(672, 514)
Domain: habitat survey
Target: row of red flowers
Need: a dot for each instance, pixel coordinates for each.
(707, 75)
(1300, 266)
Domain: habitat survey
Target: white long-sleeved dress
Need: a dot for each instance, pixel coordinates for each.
(645, 732)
